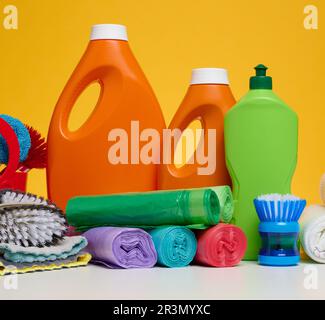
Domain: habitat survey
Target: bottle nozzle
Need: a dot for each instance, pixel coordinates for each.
(261, 70)
(261, 80)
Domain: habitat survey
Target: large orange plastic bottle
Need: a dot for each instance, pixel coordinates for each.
(78, 162)
(208, 99)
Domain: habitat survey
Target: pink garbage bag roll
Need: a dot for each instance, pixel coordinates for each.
(221, 246)
(121, 247)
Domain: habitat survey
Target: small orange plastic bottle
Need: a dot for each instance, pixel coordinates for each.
(208, 99)
(78, 161)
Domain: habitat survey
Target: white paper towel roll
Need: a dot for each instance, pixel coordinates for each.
(312, 234)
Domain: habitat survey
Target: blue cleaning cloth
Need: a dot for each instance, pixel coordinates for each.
(23, 136)
(175, 246)
(66, 248)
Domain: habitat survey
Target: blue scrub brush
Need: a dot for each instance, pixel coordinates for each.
(279, 228)
(23, 136)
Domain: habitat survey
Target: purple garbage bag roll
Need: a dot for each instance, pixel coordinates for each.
(121, 247)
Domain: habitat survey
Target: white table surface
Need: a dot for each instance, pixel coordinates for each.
(246, 281)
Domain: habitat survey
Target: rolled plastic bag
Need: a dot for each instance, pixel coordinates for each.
(312, 234)
(121, 247)
(226, 201)
(175, 246)
(197, 209)
(221, 246)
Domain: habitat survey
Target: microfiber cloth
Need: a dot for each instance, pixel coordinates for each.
(175, 246)
(193, 208)
(312, 234)
(121, 247)
(23, 265)
(7, 267)
(221, 246)
(69, 246)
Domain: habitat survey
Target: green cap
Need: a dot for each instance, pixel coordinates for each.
(261, 81)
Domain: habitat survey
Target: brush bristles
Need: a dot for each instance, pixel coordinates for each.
(28, 220)
(17, 197)
(279, 208)
(31, 226)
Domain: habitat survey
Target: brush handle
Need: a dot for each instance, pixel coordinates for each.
(14, 152)
(279, 243)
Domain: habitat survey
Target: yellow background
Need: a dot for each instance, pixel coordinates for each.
(169, 38)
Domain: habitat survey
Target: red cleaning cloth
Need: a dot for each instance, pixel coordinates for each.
(221, 246)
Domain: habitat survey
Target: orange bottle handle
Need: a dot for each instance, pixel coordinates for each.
(110, 80)
(189, 168)
(77, 84)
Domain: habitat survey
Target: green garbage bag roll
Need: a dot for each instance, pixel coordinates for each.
(226, 201)
(196, 209)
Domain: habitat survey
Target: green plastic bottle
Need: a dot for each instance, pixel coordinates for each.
(261, 137)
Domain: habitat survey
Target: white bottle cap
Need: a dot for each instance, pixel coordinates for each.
(209, 76)
(109, 31)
